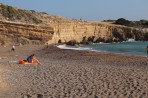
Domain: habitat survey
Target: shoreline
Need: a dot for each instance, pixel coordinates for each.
(72, 73)
(63, 46)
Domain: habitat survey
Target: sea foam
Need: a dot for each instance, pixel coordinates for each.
(73, 47)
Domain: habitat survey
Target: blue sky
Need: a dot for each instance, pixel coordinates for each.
(93, 10)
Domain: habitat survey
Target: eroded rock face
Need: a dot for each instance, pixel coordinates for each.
(13, 33)
(81, 32)
(87, 32)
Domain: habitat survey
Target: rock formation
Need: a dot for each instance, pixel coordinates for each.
(94, 32)
(15, 33)
(30, 27)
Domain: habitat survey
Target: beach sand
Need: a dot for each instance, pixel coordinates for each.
(71, 74)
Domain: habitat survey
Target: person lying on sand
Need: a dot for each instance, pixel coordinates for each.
(32, 59)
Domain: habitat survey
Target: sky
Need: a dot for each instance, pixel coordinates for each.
(89, 10)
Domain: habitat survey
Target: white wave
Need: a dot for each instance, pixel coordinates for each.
(103, 43)
(131, 40)
(98, 51)
(72, 47)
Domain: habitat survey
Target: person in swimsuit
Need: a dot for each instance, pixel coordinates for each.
(32, 59)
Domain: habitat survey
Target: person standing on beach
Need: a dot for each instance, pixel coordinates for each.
(47, 45)
(13, 48)
(147, 50)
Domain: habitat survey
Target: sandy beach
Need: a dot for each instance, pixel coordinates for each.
(71, 74)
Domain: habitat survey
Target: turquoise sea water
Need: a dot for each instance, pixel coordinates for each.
(137, 48)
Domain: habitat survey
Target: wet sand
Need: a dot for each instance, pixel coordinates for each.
(72, 74)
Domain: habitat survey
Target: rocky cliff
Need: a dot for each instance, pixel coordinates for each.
(15, 33)
(21, 26)
(81, 32)
(94, 32)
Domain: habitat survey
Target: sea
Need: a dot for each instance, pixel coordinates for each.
(130, 47)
